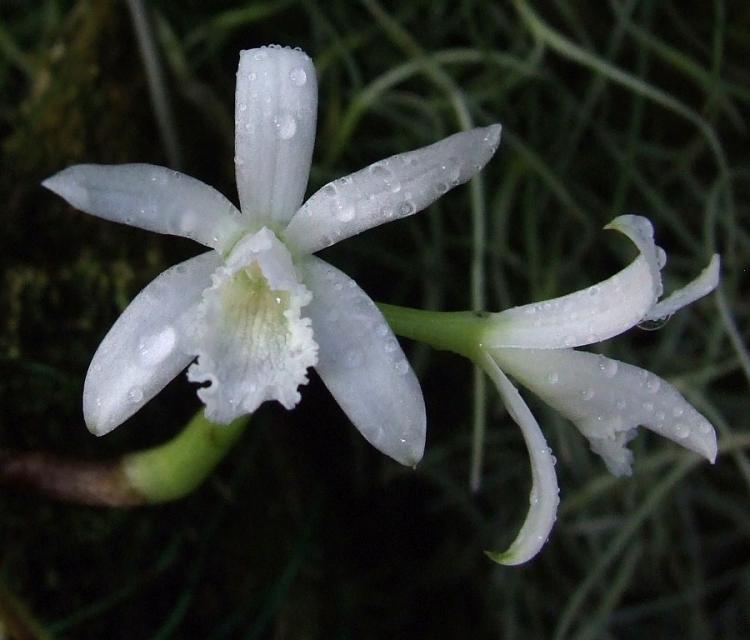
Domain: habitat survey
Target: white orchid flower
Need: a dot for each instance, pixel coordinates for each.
(258, 309)
(606, 399)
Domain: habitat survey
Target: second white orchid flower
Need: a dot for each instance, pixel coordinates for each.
(606, 399)
(259, 309)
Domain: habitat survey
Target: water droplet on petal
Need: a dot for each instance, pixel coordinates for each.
(391, 346)
(608, 367)
(298, 77)
(135, 395)
(677, 412)
(681, 431)
(553, 378)
(286, 126)
(345, 213)
(406, 208)
(653, 384)
(401, 367)
(154, 349)
(587, 394)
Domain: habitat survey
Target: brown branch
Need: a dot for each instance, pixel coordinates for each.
(69, 480)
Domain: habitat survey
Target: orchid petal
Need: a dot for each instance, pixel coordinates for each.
(252, 342)
(150, 197)
(704, 284)
(393, 188)
(607, 400)
(544, 498)
(589, 315)
(275, 111)
(145, 348)
(363, 366)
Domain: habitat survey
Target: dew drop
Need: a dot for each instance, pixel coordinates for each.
(570, 341)
(286, 126)
(345, 213)
(681, 431)
(154, 349)
(242, 106)
(298, 77)
(653, 384)
(401, 367)
(135, 394)
(677, 412)
(159, 178)
(705, 428)
(406, 208)
(391, 346)
(441, 187)
(395, 187)
(553, 378)
(587, 394)
(387, 212)
(261, 55)
(329, 191)
(608, 367)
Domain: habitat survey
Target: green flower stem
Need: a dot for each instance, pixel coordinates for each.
(457, 331)
(173, 469)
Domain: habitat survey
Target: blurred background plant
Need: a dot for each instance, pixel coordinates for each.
(305, 531)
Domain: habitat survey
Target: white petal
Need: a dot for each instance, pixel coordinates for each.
(543, 499)
(275, 110)
(145, 348)
(704, 284)
(153, 198)
(607, 400)
(363, 365)
(393, 188)
(252, 342)
(589, 315)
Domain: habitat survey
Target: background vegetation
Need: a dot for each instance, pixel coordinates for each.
(305, 531)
